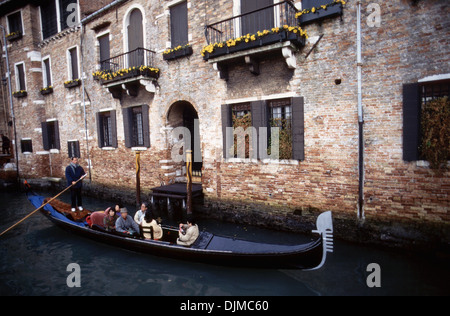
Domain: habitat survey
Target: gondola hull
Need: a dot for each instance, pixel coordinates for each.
(208, 248)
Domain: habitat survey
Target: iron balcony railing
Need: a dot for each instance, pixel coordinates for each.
(266, 18)
(136, 58)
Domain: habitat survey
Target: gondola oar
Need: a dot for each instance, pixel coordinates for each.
(42, 206)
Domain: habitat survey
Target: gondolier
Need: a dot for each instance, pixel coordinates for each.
(75, 172)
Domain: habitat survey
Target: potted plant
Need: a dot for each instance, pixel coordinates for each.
(14, 36)
(46, 90)
(20, 94)
(321, 12)
(177, 52)
(72, 83)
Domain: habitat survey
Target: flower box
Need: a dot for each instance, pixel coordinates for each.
(20, 94)
(320, 14)
(281, 34)
(106, 77)
(178, 53)
(14, 36)
(72, 83)
(47, 90)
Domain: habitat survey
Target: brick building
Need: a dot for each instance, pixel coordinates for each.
(150, 67)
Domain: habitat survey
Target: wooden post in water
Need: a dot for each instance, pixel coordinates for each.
(138, 177)
(189, 182)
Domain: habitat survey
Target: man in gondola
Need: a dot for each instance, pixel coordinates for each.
(75, 172)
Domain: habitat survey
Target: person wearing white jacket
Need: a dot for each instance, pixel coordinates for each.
(188, 234)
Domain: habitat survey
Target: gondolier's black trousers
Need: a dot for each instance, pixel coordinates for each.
(75, 194)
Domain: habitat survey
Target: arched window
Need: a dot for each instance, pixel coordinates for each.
(135, 34)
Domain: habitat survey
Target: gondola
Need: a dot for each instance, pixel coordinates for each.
(208, 248)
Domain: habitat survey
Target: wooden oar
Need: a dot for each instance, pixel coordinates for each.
(42, 206)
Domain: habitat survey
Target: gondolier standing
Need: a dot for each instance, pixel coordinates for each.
(74, 172)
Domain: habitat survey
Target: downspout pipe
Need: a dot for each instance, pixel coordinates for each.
(361, 171)
(13, 117)
(83, 88)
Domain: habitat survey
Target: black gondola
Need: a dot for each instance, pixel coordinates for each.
(208, 248)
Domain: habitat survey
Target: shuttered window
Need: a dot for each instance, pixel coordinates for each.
(256, 21)
(73, 149)
(73, 63)
(48, 18)
(289, 113)
(137, 126)
(47, 75)
(69, 17)
(107, 129)
(50, 135)
(15, 22)
(179, 24)
(105, 52)
(20, 77)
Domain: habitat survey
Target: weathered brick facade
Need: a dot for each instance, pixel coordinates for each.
(410, 44)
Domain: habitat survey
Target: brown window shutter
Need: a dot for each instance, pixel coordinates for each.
(411, 122)
(298, 129)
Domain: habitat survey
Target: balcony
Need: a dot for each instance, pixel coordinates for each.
(127, 72)
(253, 35)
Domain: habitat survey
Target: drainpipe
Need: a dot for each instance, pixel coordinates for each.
(361, 215)
(83, 78)
(13, 117)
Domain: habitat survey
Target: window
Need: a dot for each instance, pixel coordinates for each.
(15, 23)
(257, 21)
(414, 96)
(27, 145)
(286, 114)
(46, 72)
(242, 117)
(52, 11)
(105, 53)
(50, 135)
(136, 126)
(107, 129)
(135, 33)
(68, 12)
(73, 63)
(281, 117)
(73, 148)
(48, 19)
(20, 77)
(179, 24)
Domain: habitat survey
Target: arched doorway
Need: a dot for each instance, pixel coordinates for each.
(183, 114)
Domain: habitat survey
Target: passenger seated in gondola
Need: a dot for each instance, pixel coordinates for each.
(109, 221)
(126, 225)
(188, 234)
(139, 216)
(148, 224)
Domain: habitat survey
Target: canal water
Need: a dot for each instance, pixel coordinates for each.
(35, 255)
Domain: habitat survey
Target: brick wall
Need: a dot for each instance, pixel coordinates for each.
(411, 43)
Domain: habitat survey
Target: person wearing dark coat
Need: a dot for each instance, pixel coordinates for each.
(6, 144)
(74, 172)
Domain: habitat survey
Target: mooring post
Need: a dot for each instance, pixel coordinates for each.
(138, 177)
(189, 182)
